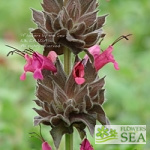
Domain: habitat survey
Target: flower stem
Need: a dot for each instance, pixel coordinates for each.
(69, 141)
(67, 69)
(65, 1)
(67, 61)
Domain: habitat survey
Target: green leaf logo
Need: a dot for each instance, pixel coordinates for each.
(104, 134)
(113, 133)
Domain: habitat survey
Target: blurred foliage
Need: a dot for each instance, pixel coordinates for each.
(127, 90)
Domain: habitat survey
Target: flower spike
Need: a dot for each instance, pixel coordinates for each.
(64, 104)
(68, 97)
(73, 24)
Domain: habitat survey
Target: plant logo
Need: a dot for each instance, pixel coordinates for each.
(104, 134)
(120, 134)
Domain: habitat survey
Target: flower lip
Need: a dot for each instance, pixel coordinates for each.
(78, 73)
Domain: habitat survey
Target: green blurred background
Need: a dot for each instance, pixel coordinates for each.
(127, 90)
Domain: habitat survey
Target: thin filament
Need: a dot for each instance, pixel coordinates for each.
(120, 38)
(17, 51)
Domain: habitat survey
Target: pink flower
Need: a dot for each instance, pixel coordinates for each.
(46, 146)
(78, 73)
(86, 145)
(37, 63)
(102, 59)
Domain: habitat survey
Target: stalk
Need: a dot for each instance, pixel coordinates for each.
(67, 61)
(69, 141)
(67, 69)
(65, 1)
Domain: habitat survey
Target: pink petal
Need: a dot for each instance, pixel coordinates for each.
(110, 57)
(78, 70)
(28, 66)
(46, 146)
(94, 50)
(109, 49)
(45, 62)
(23, 76)
(38, 56)
(116, 66)
(38, 74)
(48, 64)
(86, 145)
(52, 56)
(37, 60)
(37, 63)
(102, 59)
(79, 80)
(28, 58)
(78, 73)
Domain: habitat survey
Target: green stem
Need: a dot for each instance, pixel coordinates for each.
(69, 141)
(67, 69)
(67, 61)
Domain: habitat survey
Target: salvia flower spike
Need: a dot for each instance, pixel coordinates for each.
(65, 104)
(73, 99)
(73, 24)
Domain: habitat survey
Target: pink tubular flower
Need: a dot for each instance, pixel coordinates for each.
(78, 73)
(46, 146)
(102, 59)
(37, 63)
(86, 145)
